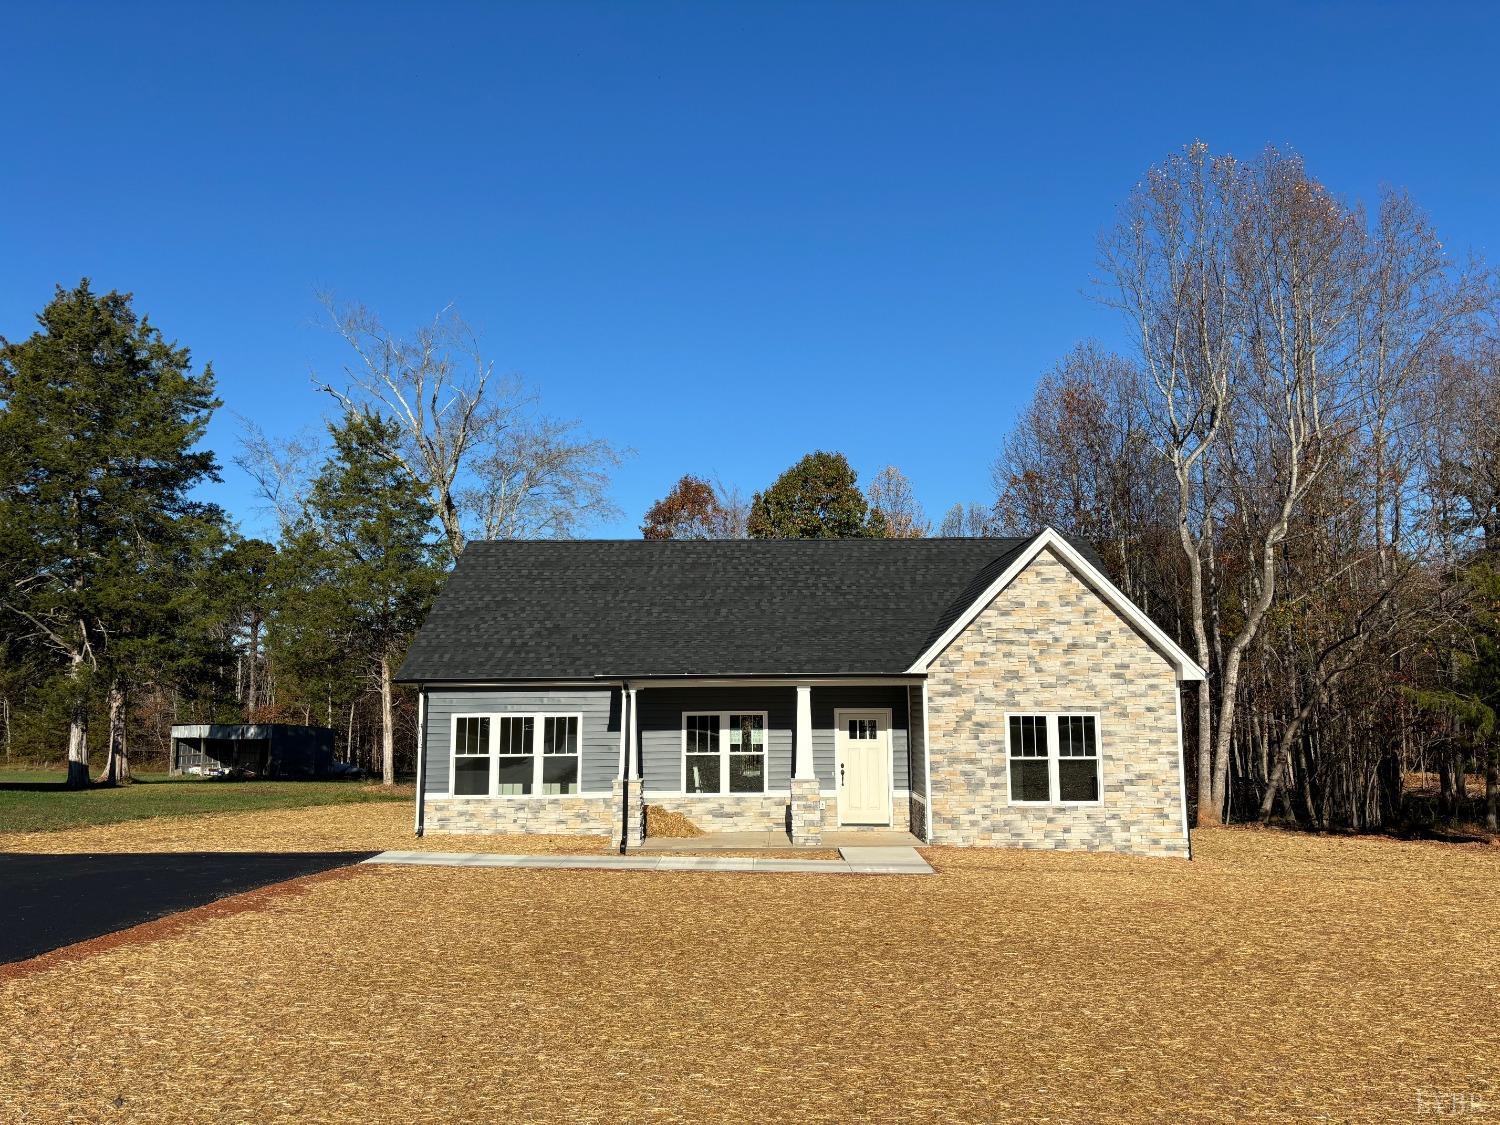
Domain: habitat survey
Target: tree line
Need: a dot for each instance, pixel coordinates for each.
(129, 604)
(1294, 468)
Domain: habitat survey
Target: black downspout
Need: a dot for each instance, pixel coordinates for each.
(625, 717)
(421, 759)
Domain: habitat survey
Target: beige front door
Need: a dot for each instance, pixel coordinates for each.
(864, 765)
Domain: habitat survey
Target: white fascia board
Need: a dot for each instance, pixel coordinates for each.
(1187, 667)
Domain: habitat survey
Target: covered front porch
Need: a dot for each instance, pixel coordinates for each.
(767, 764)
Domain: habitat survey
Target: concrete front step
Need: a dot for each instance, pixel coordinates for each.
(885, 861)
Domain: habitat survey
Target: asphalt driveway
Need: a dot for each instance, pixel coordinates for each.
(47, 901)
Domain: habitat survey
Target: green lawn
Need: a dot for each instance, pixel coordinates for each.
(35, 800)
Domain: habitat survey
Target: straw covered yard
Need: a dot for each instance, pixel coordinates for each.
(1275, 977)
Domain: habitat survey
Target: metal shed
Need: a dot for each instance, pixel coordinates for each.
(265, 749)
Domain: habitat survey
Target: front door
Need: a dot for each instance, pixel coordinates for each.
(864, 762)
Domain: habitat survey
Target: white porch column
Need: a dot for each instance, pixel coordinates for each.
(807, 800)
(803, 766)
(627, 789)
(632, 739)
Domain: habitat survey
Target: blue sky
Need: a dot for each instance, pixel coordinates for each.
(723, 235)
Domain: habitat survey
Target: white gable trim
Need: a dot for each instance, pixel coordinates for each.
(1187, 667)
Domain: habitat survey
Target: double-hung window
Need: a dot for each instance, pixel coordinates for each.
(471, 755)
(724, 752)
(515, 765)
(1053, 759)
(515, 755)
(559, 765)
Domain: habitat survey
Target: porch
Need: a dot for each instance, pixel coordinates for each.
(778, 841)
(746, 765)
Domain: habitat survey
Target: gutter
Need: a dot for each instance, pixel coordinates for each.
(926, 761)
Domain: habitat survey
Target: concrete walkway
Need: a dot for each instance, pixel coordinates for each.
(853, 861)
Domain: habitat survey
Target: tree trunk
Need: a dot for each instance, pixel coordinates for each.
(1190, 549)
(252, 672)
(117, 764)
(387, 725)
(1492, 788)
(1446, 803)
(78, 729)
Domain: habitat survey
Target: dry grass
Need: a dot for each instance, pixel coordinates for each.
(1276, 977)
(329, 828)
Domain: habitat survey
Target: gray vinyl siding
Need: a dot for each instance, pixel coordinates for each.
(826, 700)
(661, 711)
(917, 760)
(598, 735)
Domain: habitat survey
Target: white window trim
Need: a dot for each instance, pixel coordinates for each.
(887, 716)
(723, 717)
(1053, 758)
(537, 717)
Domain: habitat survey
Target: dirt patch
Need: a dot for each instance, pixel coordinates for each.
(1276, 977)
(661, 822)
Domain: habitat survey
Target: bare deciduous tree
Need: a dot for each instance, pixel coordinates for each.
(540, 479)
(1169, 264)
(1282, 338)
(489, 462)
(973, 522)
(282, 468)
(734, 510)
(890, 494)
(1081, 459)
(435, 385)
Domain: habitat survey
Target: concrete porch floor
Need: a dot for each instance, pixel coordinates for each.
(778, 841)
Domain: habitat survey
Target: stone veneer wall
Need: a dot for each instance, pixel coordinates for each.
(601, 815)
(747, 812)
(559, 815)
(1049, 643)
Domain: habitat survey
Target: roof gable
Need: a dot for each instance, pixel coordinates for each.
(1004, 572)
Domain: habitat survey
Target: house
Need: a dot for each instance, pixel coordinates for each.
(278, 750)
(993, 692)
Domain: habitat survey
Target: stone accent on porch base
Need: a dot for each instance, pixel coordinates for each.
(747, 812)
(635, 812)
(563, 816)
(916, 813)
(768, 812)
(807, 812)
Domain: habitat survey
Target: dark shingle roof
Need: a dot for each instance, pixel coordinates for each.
(590, 608)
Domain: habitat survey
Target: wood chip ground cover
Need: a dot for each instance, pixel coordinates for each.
(1277, 977)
